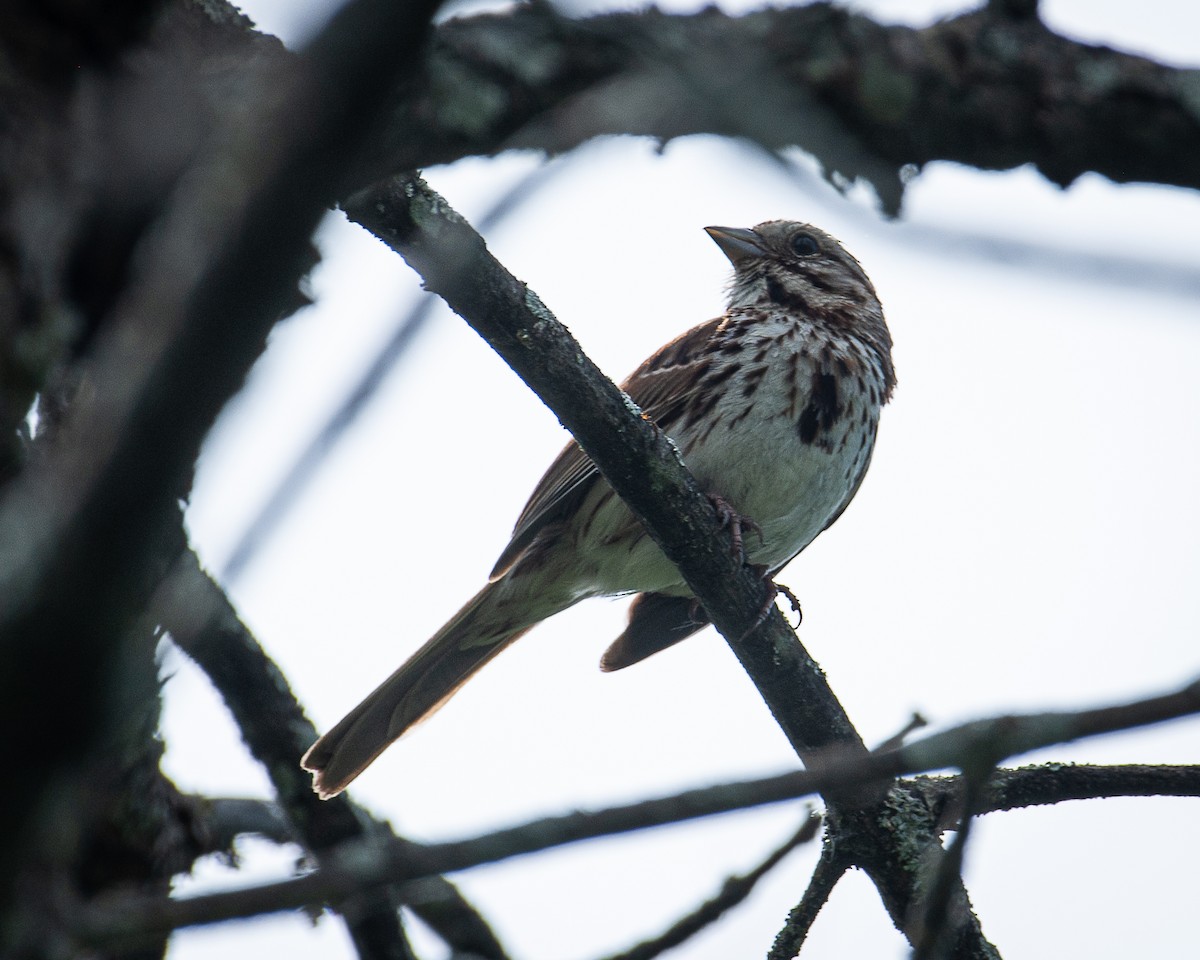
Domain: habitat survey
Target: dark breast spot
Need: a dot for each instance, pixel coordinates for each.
(822, 411)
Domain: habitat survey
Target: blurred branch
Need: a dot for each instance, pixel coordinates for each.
(986, 89)
(88, 525)
(1128, 268)
(227, 818)
(356, 866)
(307, 464)
(733, 892)
(990, 89)
(942, 912)
(203, 623)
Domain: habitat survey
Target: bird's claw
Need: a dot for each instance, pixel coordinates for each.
(775, 590)
(736, 524)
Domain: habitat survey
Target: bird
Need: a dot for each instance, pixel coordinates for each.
(774, 406)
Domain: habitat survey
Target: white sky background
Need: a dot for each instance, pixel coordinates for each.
(1026, 539)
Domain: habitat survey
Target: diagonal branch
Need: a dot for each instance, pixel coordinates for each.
(640, 462)
(800, 919)
(644, 468)
(733, 892)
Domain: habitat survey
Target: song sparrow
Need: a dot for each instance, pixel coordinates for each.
(774, 406)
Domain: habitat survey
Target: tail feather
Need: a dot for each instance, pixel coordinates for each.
(656, 621)
(422, 684)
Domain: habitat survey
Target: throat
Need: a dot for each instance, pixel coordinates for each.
(781, 295)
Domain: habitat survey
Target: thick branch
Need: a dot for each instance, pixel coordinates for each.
(985, 89)
(993, 89)
(1059, 782)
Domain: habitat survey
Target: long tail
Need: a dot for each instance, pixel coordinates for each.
(486, 625)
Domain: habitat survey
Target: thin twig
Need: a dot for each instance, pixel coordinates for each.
(733, 892)
(825, 876)
(916, 722)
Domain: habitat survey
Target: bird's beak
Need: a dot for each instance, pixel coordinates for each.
(737, 244)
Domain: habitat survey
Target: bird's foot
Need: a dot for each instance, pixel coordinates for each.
(793, 601)
(776, 589)
(736, 523)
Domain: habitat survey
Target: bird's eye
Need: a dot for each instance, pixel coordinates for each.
(805, 245)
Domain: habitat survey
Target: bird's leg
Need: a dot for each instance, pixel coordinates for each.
(736, 524)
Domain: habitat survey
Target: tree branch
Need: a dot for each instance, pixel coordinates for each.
(941, 911)
(986, 88)
(733, 892)
(227, 818)
(89, 524)
(993, 88)
(791, 938)
(1048, 783)
(356, 866)
(205, 626)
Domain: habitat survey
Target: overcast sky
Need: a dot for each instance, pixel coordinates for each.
(1026, 539)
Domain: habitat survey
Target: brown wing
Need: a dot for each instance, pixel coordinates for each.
(662, 387)
(558, 493)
